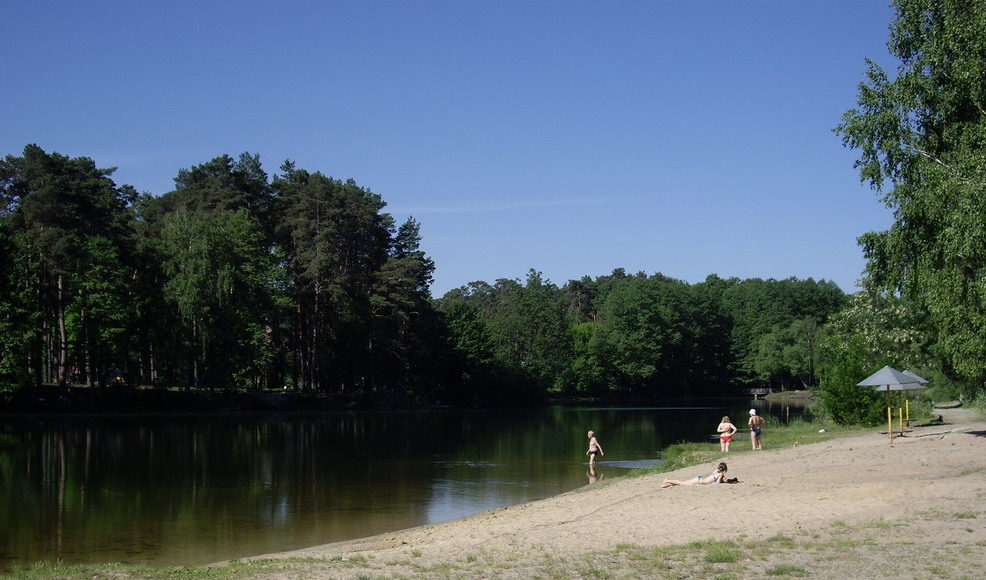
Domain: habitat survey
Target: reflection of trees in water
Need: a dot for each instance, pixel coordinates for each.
(133, 489)
(186, 489)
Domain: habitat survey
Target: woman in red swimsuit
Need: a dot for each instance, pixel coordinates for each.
(726, 430)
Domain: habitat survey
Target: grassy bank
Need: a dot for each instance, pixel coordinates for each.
(797, 432)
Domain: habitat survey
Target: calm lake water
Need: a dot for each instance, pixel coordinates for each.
(197, 489)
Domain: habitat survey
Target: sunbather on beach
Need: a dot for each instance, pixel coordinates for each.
(717, 476)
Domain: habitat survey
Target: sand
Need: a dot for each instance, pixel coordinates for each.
(802, 491)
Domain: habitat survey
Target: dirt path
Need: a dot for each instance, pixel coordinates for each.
(844, 482)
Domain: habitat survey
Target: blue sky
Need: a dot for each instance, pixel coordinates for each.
(573, 137)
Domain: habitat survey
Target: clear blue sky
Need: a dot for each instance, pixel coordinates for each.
(673, 136)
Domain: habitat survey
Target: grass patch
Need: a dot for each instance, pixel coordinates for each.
(718, 552)
(236, 569)
(786, 570)
(883, 525)
(782, 541)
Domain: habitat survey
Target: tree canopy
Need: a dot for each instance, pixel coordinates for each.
(921, 136)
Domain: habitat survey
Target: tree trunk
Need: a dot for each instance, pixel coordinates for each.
(87, 360)
(62, 341)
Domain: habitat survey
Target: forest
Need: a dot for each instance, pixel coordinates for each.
(240, 281)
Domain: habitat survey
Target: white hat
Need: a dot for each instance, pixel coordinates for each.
(753, 411)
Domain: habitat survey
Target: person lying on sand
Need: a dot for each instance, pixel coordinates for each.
(717, 476)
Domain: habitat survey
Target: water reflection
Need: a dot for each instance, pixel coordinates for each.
(594, 474)
(170, 490)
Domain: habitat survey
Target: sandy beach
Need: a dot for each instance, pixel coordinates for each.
(918, 500)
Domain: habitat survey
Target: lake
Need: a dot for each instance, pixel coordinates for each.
(192, 489)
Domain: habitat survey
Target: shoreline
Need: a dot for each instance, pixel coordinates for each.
(847, 481)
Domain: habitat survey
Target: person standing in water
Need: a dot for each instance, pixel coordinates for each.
(726, 430)
(756, 425)
(594, 448)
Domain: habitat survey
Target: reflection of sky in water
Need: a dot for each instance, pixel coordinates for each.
(468, 463)
(457, 498)
(638, 464)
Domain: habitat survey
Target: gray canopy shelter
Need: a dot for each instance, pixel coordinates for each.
(890, 379)
(914, 376)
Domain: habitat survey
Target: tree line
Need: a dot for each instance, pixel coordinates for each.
(239, 280)
(638, 336)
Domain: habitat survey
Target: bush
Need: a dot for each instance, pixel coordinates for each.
(846, 403)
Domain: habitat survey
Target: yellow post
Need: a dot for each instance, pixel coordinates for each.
(890, 424)
(900, 418)
(907, 409)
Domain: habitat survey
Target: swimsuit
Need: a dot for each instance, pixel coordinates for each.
(726, 438)
(756, 431)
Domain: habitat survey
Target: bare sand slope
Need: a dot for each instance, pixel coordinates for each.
(787, 491)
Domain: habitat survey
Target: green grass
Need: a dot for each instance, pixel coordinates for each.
(786, 570)
(720, 552)
(797, 432)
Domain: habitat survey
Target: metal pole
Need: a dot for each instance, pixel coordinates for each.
(890, 417)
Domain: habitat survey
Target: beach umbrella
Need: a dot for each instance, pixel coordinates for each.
(890, 379)
(915, 377)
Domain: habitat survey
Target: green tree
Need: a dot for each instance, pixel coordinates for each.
(529, 327)
(848, 362)
(220, 278)
(403, 320)
(335, 240)
(921, 136)
(789, 354)
(650, 334)
(587, 374)
(66, 222)
(762, 312)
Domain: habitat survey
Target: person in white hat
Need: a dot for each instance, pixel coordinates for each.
(756, 425)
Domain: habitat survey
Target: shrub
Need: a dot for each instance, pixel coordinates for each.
(847, 363)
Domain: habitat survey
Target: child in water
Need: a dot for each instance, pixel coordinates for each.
(594, 448)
